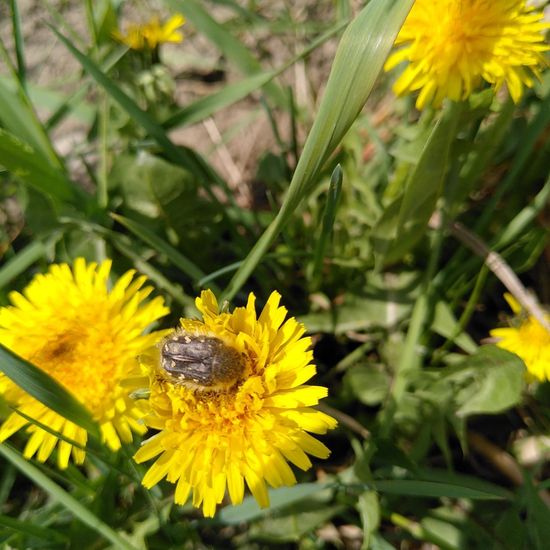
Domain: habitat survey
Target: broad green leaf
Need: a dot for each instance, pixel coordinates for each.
(444, 533)
(169, 199)
(45, 389)
(368, 384)
(489, 382)
(71, 504)
(250, 510)
(358, 61)
(294, 523)
(368, 506)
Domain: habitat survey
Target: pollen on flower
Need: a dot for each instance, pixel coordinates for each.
(149, 35)
(86, 336)
(213, 441)
(528, 339)
(452, 46)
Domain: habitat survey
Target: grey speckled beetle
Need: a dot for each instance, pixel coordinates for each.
(201, 362)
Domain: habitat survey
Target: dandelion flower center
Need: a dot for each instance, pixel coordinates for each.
(452, 45)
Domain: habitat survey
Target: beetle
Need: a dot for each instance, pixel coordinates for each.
(200, 362)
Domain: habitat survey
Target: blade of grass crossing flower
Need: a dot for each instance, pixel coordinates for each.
(57, 493)
(181, 156)
(358, 61)
(207, 106)
(21, 262)
(232, 48)
(18, 42)
(329, 215)
(44, 388)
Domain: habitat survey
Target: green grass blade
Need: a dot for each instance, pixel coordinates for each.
(232, 48)
(20, 119)
(329, 215)
(178, 155)
(207, 106)
(30, 166)
(65, 499)
(434, 489)
(18, 43)
(524, 218)
(28, 528)
(358, 61)
(21, 262)
(44, 388)
(147, 236)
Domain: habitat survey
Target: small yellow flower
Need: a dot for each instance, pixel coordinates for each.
(233, 407)
(86, 336)
(452, 45)
(153, 33)
(529, 340)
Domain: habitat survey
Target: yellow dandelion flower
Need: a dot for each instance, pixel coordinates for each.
(452, 45)
(151, 34)
(229, 401)
(72, 326)
(529, 340)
